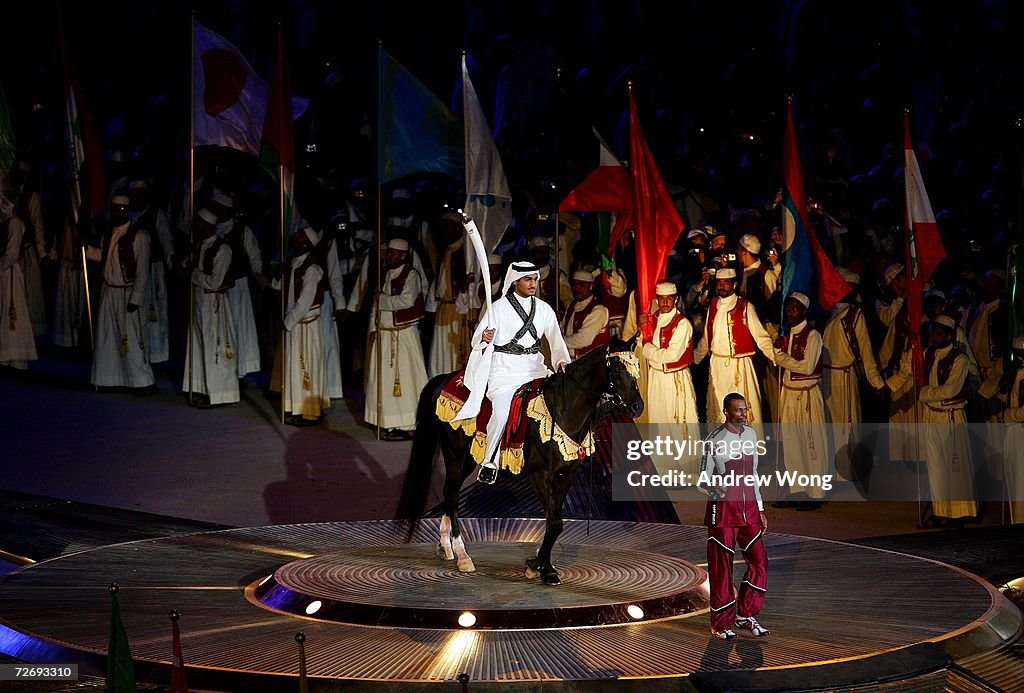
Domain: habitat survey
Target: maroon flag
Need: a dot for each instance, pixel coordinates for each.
(179, 682)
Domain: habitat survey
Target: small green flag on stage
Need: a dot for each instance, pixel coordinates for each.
(120, 670)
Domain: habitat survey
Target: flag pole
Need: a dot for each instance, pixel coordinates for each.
(88, 299)
(191, 192)
(380, 237)
(285, 270)
(915, 343)
(556, 304)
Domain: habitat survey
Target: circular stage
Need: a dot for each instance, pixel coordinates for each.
(394, 586)
(840, 615)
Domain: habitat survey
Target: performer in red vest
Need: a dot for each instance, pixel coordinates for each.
(732, 334)
(670, 397)
(585, 324)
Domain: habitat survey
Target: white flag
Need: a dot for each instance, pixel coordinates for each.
(229, 99)
(488, 198)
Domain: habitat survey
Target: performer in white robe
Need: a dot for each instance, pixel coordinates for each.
(670, 396)
(121, 357)
(210, 369)
(29, 210)
(245, 260)
(902, 407)
(801, 407)
(403, 374)
(147, 216)
(305, 396)
(944, 436)
(17, 342)
(846, 353)
(732, 334)
(334, 304)
(1013, 441)
(506, 354)
(449, 348)
(631, 328)
(69, 306)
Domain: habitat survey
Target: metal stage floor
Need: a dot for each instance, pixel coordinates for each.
(841, 615)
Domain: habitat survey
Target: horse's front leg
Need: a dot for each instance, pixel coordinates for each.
(444, 546)
(552, 493)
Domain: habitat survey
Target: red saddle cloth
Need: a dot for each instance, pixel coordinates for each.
(455, 393)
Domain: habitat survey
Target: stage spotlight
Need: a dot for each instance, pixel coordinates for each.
(635, 612)
(313, 607)
(467, 619)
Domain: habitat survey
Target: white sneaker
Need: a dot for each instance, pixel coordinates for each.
(727, 634)
(750, 623)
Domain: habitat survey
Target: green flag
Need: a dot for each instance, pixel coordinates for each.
(120, 670)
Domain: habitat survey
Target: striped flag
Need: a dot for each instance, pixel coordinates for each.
(924, 249)
(277, 149)
(488, 197)
(83, 145)
(805, 260)
(606, 189)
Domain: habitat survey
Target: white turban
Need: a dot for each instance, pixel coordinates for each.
(120, 200)
(726, 273)
(892, 271)
(802, 298)
(222, 198)
(946, 322)
(583, 276)
(538, 241)
(208, 216)
(751, 242)
(398, 244)
(850, 277)
(665, 289)
(1018, 343)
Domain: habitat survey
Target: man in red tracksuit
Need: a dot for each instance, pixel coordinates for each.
(734, 518)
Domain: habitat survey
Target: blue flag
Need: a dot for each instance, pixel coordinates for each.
(416, 133)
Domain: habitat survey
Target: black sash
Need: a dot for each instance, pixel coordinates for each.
(513, 347)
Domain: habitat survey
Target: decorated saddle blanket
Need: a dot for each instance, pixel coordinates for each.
(526, 403)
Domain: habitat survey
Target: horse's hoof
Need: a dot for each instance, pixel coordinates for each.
(444, 550)
(466, 565)
(531, 572)
(551, 579)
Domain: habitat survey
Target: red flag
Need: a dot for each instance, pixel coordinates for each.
(656, 222)
(805, 259)
(606, 189)
(923, 245)
(179, 682)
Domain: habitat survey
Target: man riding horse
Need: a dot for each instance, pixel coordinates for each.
(506, 354)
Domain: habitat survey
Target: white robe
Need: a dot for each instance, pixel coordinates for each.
(499, 375)
(305, 391)
(69, 306)
(17, 345)
(839, 383)
(592, 325)
(945, 442)
(333, 299)
(245, 339)
(450, 345)
(670, 396)
(802, 413)
(1013, 449)
(727, 373)
(208, 368)
(117, 330)
(401, 356)
(35, 250)
(156, 295)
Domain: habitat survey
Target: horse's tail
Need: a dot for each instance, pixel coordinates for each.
(416, 487)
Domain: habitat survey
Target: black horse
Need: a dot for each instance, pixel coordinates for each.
(572, 397)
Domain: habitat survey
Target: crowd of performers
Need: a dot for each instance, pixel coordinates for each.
(211, 303)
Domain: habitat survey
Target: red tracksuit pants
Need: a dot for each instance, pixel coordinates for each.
(726, 606)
